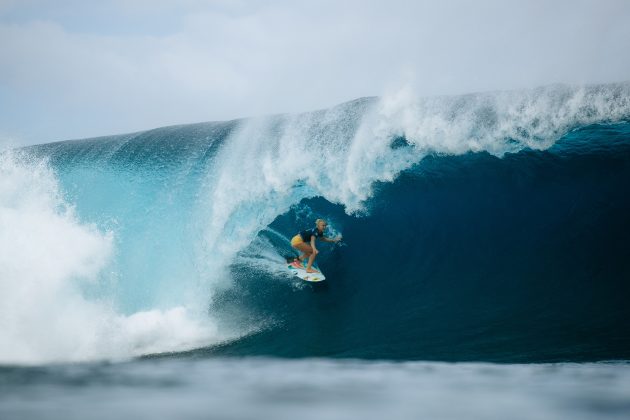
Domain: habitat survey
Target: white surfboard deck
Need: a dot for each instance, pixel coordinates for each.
(299, 270)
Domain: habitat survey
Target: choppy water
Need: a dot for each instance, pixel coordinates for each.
(255, 388)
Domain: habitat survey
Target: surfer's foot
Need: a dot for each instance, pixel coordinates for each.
(311, 270)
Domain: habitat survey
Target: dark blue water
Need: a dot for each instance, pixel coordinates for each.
(472, 257)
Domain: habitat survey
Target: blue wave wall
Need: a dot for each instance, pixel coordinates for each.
(480, 227)
(472, 257)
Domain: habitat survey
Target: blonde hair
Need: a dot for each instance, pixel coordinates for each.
(318, 221)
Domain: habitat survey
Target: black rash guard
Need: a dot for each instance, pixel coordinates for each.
(308, 233)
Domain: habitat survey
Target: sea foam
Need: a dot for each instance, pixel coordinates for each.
(47, 257)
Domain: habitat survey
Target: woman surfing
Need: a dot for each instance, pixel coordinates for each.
(305, 243)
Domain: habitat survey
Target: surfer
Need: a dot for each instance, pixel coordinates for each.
(305, 243)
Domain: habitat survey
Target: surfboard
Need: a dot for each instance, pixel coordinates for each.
(299, 269)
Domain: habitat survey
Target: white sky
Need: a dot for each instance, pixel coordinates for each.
(73, 69)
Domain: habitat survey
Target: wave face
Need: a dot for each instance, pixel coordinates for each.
(479, 227)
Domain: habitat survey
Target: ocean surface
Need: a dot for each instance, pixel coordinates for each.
(260, 388)
(484, 270)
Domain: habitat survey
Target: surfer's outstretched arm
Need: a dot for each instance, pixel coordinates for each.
(333, 240)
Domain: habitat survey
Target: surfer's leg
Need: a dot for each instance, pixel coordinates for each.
(311, 259)
(306, 250)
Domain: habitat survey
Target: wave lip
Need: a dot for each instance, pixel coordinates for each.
(505, 121)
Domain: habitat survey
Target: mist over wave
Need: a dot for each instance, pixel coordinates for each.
(173, 238)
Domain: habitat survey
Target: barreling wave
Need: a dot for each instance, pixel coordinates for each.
(477, 227)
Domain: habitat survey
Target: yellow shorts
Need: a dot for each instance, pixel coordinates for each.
(297, 239)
